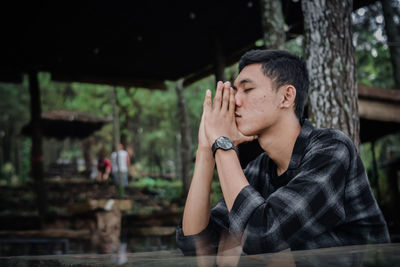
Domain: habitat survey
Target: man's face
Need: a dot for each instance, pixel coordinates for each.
(257, 101)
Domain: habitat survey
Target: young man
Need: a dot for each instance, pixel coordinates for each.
(308, 190)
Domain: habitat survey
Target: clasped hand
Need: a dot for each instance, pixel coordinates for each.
(218, 117)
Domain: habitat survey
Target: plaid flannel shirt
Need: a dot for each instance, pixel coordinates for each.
(323, 200)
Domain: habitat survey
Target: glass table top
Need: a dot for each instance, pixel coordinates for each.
(364, 255)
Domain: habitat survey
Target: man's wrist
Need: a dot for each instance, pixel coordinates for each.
(204, 160)
(221, 152)
(223, 143)
(204, 149)
(205, 152)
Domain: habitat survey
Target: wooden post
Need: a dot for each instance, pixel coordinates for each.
(392, 168)
(2, 141)
(185, 149)
(393, 183)
(106, 231)
(117, 140)
(103, 219)
(87, 154)
(37, 150)
(375, 171)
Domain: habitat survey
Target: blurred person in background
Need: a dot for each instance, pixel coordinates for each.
(122, 167)
(103, 167)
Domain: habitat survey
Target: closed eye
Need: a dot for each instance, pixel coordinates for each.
(247, 90)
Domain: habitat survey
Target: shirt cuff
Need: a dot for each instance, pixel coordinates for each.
(203, 243)
(245, 203)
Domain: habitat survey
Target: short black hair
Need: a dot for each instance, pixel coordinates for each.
(283, 68)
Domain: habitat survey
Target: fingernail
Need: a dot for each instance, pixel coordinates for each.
(208, 92)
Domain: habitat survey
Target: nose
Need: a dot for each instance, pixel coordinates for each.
(238, 100)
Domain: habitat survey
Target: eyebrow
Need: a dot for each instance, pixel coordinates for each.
(243, 82)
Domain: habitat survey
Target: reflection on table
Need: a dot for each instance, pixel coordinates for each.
(363, 255)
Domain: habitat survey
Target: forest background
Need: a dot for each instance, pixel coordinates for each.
(149, 119)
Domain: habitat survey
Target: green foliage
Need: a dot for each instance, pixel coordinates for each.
(149, 118)
(374, 68)
(7, 173)
(14, 103)
(386, 149)
(162, 188)
(295, 46)
(372, 54)
(14, 107)
(171, 190)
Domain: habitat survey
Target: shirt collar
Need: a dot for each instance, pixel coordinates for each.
(297, 155)
(301, 144)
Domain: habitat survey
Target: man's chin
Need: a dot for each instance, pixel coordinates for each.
(245, 132)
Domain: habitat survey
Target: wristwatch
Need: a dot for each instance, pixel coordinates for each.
(224, 143)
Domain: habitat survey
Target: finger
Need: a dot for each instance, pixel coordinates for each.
(232, 103)
(218, 96)
(207, 102)
(225, 96)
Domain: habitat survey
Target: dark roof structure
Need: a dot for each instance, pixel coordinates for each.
(140, 43)
(133, 43)
(61, 124)
(379, 111)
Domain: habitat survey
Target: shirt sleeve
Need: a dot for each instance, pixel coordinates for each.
(206, 242)
(310, 204)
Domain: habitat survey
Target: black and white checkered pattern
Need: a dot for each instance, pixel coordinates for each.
(323, 200)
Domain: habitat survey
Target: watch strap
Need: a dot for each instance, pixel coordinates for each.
(215, 146)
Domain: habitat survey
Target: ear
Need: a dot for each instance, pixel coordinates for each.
(288, 96)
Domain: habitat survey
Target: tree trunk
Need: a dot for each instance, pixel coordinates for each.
(220, 63)
(116, 138)
(331, 65)
(273, 24)
(8, 135)
(37, 150)
(87, 154)
(393, 38)
(17, 158)
(186, 150)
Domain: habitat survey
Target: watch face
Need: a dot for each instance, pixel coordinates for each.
(224, 143)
